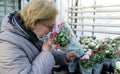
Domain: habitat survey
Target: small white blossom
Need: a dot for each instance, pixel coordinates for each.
(118, 65)
(85, 49)
(97, 47)
(107, 51)
(90, 50)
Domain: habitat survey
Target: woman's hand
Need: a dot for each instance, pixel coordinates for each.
(70, 56)
(46, 46)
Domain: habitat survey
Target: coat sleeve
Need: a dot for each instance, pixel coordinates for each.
(14, 61)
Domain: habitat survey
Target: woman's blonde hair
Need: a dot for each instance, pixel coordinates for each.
(38, 11)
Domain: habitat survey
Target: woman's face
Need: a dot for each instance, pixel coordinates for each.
(41, 29)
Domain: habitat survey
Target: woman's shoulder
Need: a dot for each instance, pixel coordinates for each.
(10, 37)
(17, 43)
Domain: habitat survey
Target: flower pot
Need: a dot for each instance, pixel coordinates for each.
(110, 63)
(107, 61)
(72, 67)
(97, 68)
(85, 70)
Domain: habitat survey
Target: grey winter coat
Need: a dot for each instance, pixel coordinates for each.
(20, 56)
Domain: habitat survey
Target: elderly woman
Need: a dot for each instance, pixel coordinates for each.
(22, 49)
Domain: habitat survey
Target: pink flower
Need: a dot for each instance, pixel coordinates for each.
(52, 41)
(59, 26)
(54, 33)
(62, 22)
(88, 53)
(118, 51)
(57, 46)
(51, 36)
(103, 44)
(85, 57)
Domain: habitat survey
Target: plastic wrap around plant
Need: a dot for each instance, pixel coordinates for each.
(63, 38)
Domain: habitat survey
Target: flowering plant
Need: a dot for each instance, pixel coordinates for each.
(111, 47)
(63, 38)
(117, 42)
(94, 51)
(88, 60)
(60, 37)
(117, 67)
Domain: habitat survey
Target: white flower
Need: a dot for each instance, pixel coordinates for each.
(86, 46)
(85, 50)
(90, 50)
(118, 65)
(88, 53)
(97, 47)
(92, 44)
(107, 51)
(113, 44)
